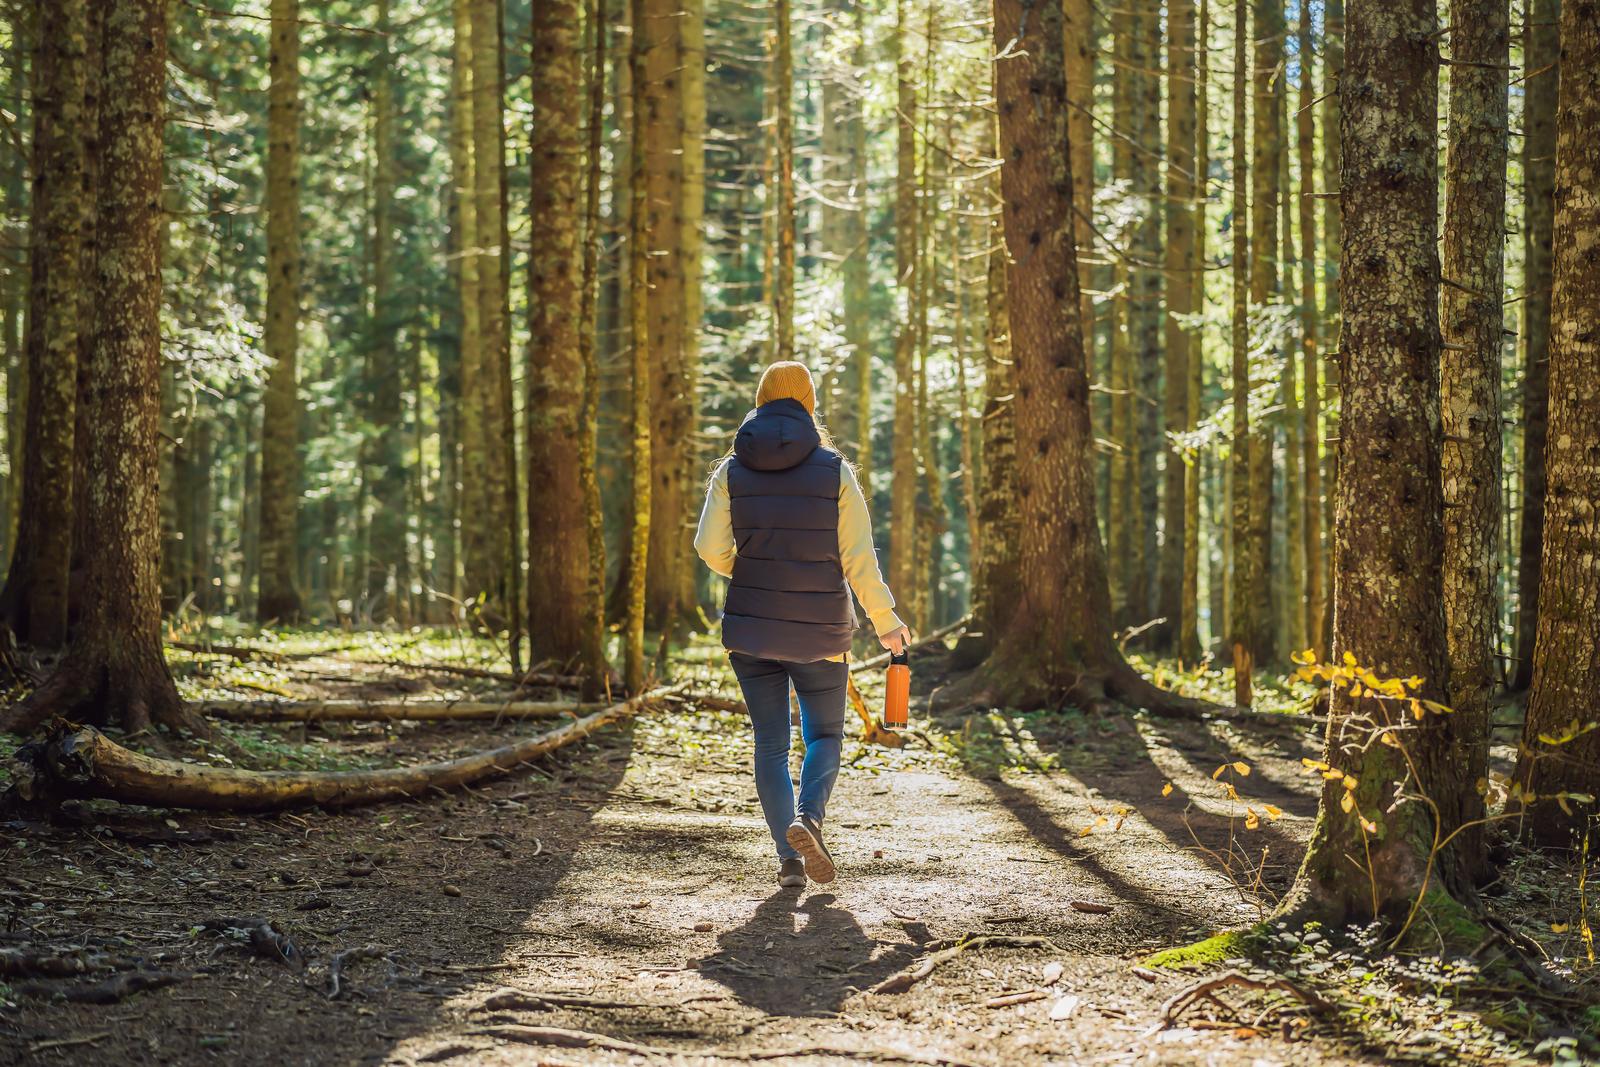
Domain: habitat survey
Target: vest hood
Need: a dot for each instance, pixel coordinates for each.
(776, 436)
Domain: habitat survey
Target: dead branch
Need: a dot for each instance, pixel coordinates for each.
(116, 988)
(525, 680)
(350, 955)
(905, 978)
(258, 711)
(79, 761)
(1187, 996)
(263, 937)
(937, 635)
(27, 963)
(872, 732)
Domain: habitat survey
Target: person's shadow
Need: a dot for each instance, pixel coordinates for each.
(802, 957)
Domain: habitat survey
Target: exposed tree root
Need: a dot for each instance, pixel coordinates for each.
(557, 1037)
(385, 711)
(906, 977)
(1187, 996)
(75, 761)
(28, 963)
(351, 955)
(131, 689)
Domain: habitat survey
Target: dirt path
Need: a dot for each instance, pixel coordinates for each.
(630, 884)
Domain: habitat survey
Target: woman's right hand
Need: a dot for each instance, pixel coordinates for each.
(896, 641)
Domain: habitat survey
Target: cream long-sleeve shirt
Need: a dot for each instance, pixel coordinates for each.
(715, 542)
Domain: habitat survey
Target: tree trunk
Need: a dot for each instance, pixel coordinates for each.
(558, 542)
(903, 451)
(691, 240)
(1566, 670)
(1120, 525)
(640, 341)
(1189, 650)
(1469, 373)
(1145, 318)
(113, 671)
(386, 591)
(1369, 857)
(1078, 24)
(472, 535)
(1182, 274)
(782, 84)
(35, 599)
(488, 562)
(1541, 51)
(856, 273)
(280, 414)
(592, 644)
(1290, 602)
(1311, 439)
(1267, 29)
(1241, 594)
(1332, 245)
(659, 110)
(1057, 642)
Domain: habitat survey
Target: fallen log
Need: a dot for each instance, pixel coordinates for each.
(938, 635)
(80, 761)
(525, 680)
(386, 710)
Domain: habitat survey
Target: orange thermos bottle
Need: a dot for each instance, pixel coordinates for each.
(897, 691)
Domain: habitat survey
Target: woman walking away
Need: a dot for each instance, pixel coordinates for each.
(785, 519)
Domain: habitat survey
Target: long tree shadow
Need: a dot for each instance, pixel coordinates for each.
(803, 955)
(1117, 770)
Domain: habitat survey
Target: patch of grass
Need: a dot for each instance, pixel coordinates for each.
(1213, 951)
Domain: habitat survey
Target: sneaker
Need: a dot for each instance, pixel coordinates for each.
(805, 837)
(792, 873)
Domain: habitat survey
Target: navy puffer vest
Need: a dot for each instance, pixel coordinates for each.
(788, 599)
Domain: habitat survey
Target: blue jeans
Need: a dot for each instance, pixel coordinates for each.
(821, 688)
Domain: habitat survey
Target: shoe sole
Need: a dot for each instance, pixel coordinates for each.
(819, 865)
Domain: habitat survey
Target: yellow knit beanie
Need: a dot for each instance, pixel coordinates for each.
(787, 380)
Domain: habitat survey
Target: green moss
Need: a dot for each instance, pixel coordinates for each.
(1229, 945)
(1444, 919)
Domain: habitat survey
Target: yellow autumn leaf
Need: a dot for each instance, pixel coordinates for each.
(1273, 812)
(1251, 820)
(1559, 928)
(1349, 658)
(1166, 790)
(1369, 826)
(1218, 772)
(1242, 767)
(1347, 802)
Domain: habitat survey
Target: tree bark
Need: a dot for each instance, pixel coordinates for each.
(639, 545)
(1267, 29)
(1369, 857)
(1182, 274)
(489, 559)
(1145, 313)
(1189, 628)
(1057, 643)
(1469, 372)
(1121, 537)
(280, 416)
(856, 272)
(1311, 433)
(558, 542)
(592, 643)
(35, 599)
(113, 670)
(782, 65)
(903, 452)
(1078, 25)
(658, 108)
(471, 536)
(1541, 51)
(1332, 246)
(1566, 667)
(387, 578)
(1241, 593)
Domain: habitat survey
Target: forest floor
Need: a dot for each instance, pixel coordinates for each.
(625, 889)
